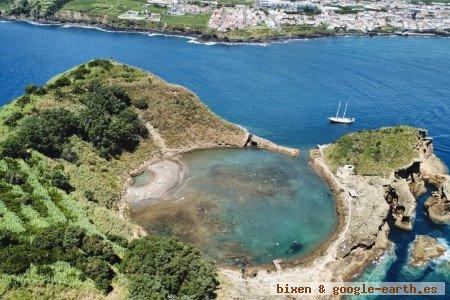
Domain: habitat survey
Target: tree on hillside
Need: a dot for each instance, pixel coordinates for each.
(165, 266)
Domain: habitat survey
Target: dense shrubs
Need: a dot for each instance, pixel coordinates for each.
(61, 181)
(89, 195)
(12, 119)
(31, 89)
(13, 174)
(80, 72)
(23, 100)
(69, 154)
(34, 89)
(103, 63)
(14, 146)
(14, 259)
(107, 121)
(96, 246)
(20, 7)
(164, 266)
(99, 271)
(61, 82)
(141, 103)
(91, 254)
(46, 132)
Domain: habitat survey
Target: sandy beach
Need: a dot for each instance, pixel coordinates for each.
(167, 177)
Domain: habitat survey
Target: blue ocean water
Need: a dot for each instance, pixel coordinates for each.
(283, 91)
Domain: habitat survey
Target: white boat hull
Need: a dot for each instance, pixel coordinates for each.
(341, 120)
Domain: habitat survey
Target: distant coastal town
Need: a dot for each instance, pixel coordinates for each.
(243, 20)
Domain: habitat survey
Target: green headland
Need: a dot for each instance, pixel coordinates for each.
(67, 149)
(375, 152)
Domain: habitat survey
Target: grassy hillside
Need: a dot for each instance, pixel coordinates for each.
(105, 12)
(375, 152)
(66, 149)
(262, 32)
(179, 116)
(105, 7)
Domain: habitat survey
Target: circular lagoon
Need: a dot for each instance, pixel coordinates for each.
(245, 207)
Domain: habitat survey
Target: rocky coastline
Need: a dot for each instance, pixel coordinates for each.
(438, 205)
(424, 249)
(363, 206)
(103, 24)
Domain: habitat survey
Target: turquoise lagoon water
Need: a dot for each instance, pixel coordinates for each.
(283, 92)
(142, 178)
(246, 207)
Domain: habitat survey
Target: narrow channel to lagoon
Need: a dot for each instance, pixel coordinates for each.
(258, 205)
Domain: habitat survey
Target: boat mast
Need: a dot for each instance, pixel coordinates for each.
(337, 113)
(345, 109)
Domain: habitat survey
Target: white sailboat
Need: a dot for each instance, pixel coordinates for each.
(343, 119)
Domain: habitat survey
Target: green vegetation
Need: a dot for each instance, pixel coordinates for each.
(105, 7)
(375, 152)
(100, 149)
(5, 4)
(177, 272)
(345, 10)
(66, 149)
(111, 9)
(44, 231)
(34, 8)
(157, 9)
(389, 29)
(261, 33)
(106, 12)
(198, 21)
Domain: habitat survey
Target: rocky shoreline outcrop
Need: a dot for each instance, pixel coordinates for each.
(363, 206)
(425, 248)
(438, 205)
(265, 144)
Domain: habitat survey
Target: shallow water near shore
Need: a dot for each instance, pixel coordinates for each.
(245, 207)
(143, 178)
(283, 92)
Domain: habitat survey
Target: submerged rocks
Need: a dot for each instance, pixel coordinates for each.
(295, 247)
(424, 249)
(438, 205)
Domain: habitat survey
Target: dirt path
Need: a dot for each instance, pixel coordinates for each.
(157, 137)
